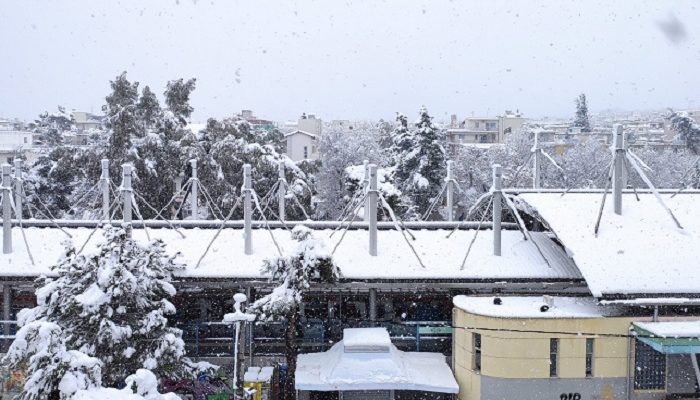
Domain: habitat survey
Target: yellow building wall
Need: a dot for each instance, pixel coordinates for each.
(508, 352)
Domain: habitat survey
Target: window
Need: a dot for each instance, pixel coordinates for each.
(649, 368)
(490, 126)
(589, 357)
(306, 152)
(553, 357)
(476, 343)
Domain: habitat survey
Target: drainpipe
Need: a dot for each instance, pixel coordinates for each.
(497, 195)
(126, 197)
(6, 209)
(104, 183)
(372, 205)
(247, 209)
(450, 190)
(618, 171)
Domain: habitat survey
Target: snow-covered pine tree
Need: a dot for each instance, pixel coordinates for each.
(111, 305)
(310, 262)
(122, 121)
(581, 119)
(421, 162)
(177, 98)
(687, 129)
(50, 126)
(148, 109)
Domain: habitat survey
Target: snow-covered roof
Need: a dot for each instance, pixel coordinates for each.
(294, 132)
(639, 252)
(339, 370)
(531, 307)
(672, 329)
(441, 256)
(366, 340)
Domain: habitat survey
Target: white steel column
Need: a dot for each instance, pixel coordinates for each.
(372, 205)
(365, 186)
(618, 171)
(497, 194)
(126, 198)
(281, 192)
(6, 209)
(104, 183)
(247, 209)
(194, 204)
(18, 189)
(450, 191)
(536, 162)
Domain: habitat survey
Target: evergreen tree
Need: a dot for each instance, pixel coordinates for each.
(687, 129)
(581, 119)
(111, 305)
(50, 126)
(311, 262)
(177, 98)
(122, 121)
(148, 109)
(421, 161)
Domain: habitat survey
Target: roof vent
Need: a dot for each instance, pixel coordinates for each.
(497, 301)
(544, 308)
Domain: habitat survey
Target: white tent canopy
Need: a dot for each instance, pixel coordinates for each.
(373, 363)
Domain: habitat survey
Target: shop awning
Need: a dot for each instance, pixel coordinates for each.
(670, 337)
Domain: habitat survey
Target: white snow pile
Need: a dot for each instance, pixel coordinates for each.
(391, 369)
(641, 251)
(142, 385)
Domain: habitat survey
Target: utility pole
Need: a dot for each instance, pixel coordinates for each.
(497, 195)
(247, 209)
(126, 198)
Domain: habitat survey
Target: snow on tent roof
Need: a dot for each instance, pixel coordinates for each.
(337, 370)
(366, 340)
(530, 307)
(226, 259)
(640, 252)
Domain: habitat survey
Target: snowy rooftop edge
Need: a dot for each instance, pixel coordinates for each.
(640, 252)
(226, 259)
(530, 307)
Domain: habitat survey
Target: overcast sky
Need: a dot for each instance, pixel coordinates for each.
(354, 59)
